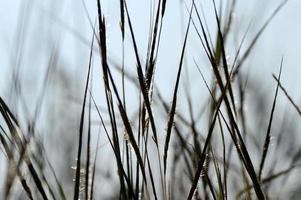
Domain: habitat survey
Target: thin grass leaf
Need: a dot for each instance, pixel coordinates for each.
(145, 94)
(151, 177)
(163, 7)
(221, 185)
(192, 126)
(151, 51)
(94, 169)
(11, 177)
(270, 178)
(58, 183)
(206, 145)
(118, 158)
(238, 143)
(5, 145)
(109, 101)
(128, 127)
(268, 134)
(202, 157)
(13, 125)
(121, 4)
(242, 151)
(37, 180)
(87, 193)
(257, 36)
(141, 79)
(211, 188)
(244, 156)
(224, 192)
(26, 187)
(106, 77)
(206, 44)
(288, 96)
(48, 186)
(33, 172)
(175, 93)
(230, 18)
(180, 137)
(223, 56)
(81, 127)
(87, 172)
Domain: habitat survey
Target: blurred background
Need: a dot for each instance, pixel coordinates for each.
(44, 55)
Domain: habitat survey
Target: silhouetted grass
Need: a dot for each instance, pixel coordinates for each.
(206, 149)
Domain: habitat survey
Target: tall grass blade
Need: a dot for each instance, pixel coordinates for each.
(121, 2)
(87, 171)
(202, 157)
(268, 134)
(223, 56)
(81, 127)
(94, 169)
(141, 79)
(109, 99)
(117, 155)
(175, 93)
